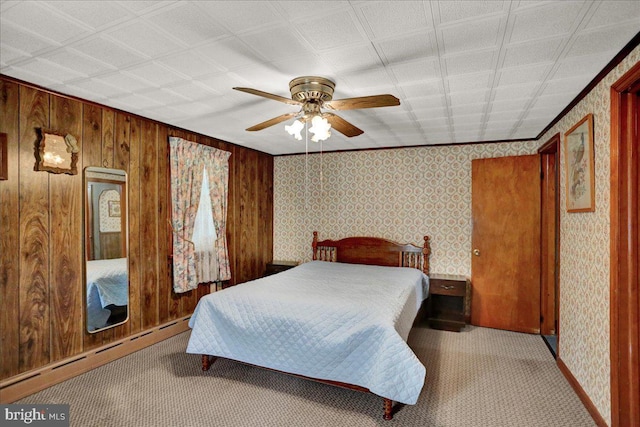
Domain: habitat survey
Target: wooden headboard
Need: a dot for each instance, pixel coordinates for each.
(372, 251)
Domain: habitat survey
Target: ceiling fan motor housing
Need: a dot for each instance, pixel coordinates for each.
(311, 89)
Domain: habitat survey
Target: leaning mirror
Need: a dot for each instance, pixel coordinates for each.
(106, 248)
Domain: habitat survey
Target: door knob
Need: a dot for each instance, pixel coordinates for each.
(476, 252)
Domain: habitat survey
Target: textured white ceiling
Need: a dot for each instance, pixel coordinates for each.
(464, 71)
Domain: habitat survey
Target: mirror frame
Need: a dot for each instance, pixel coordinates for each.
(88, 241)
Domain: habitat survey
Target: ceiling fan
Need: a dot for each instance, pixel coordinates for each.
(315, 93)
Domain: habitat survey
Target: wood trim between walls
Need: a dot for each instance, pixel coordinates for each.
(584, 398)
(33, 381)
(625, 230)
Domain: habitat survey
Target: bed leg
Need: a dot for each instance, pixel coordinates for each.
(205, 362)
(388, 407)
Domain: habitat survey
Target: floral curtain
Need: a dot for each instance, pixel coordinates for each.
(189, 161)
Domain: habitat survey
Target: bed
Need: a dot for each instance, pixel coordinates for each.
(342, 318)
(107, 291)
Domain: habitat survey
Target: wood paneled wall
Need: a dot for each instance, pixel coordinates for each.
(41, 224)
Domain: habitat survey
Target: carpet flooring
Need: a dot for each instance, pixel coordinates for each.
(479, 377)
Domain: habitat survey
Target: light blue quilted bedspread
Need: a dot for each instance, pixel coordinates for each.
(332, 321)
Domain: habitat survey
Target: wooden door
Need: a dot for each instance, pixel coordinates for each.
(505, 266)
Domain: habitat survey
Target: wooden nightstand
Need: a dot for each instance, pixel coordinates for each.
(449, 303)
(279, 266)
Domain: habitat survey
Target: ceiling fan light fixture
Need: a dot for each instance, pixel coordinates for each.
(294, 129)
(320, 129)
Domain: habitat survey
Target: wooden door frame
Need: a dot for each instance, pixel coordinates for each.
(550, 237)
(624, 310)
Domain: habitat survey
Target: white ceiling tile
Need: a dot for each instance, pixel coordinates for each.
(421, 89)
(434, 108)
(524, 90)
(337, 30)
(228, 53)
(470, 36)
(408, 48)
(53, 71)
(351, 58)
(614, 13)
(239, 16)
(190, 64)
(387, 19)
(309, 10)
(43, 21)
(96, 14)
(365, 80)
(123, 81)
(188, 23)
(509, 104)
(469, 109)
(192, 90)
(10, 55)
(143, 38)
(469, 62)
(571, 84)
(100, 88)
(462, 10)
(154, 74)
(515, 75)
(22, 40)
(165, 97)
(220, 83)
(545, 20)
(33, 77)
(276, 43)
(469, 97)
(107, 51)
(603, 40)
(416, 71)
(308, 65)
(464, 82)
(72, 58)
(587, 66)
(542, 51)
(504, 115)
(434, 122)
(137, 102)
(142, 6)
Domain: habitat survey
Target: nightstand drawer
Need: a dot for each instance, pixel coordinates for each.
(449, 303)
(447, 287)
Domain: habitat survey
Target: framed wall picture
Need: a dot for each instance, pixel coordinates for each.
(57, 153)
(579, 166)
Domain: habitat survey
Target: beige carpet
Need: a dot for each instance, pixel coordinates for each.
(480, 377)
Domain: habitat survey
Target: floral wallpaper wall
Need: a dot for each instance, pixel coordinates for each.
(585, 254)
(397, 194)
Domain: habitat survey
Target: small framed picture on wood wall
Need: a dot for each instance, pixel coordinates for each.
(57, 153)
(579, 166)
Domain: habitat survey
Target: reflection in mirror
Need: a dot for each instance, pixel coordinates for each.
(106, 248)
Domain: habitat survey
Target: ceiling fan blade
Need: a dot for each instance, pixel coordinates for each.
(342, 126)
(272, 122)
(268, 95)
(373, 101)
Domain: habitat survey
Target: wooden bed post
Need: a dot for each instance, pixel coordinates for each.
(388, 407)
(426, 252)
(314, 245)
(205, 362)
